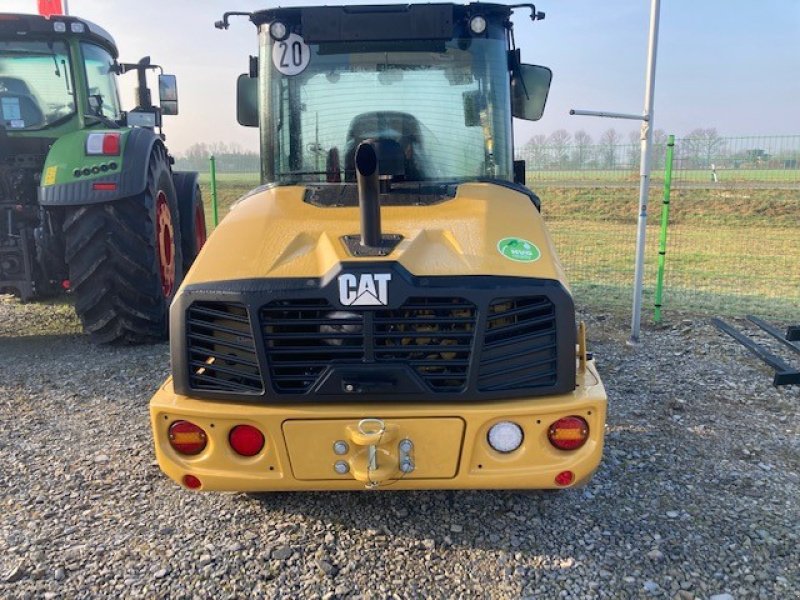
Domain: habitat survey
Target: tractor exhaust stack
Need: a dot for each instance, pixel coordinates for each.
(368, 194)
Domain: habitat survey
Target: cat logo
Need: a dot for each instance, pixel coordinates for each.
(367, 289)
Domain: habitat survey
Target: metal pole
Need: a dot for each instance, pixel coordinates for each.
(214, 213)
(66, 7)
(644, 172)
(662, 243)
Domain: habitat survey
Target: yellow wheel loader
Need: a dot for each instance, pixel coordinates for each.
(387, 310)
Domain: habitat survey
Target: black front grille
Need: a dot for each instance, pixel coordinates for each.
(221, 353)
(440, 339)
(432, 335)
(520, 345)
(302, 337)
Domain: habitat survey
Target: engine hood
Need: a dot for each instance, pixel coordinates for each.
(484, 229)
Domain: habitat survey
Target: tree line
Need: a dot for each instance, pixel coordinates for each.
(699, 148)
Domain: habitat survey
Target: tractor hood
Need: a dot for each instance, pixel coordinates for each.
(479, 229)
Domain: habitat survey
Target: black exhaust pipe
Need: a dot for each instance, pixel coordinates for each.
(368, 181)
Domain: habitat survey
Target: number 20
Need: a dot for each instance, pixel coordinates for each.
(296, 54)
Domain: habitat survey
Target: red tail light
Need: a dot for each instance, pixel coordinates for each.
(187, 438)
(565, 478)
(569, 433)
(246, 440)
(191, 482)
(103, 144)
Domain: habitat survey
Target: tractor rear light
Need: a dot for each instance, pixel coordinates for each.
(246, 440)
(565, 478)
(505, 436)
(103, 144)
(568, 433)
(187, 438)
(278, 31)
(191, 482)
(477, 24)
(102, 186)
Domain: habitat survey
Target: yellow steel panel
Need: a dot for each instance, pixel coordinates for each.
(436, 447)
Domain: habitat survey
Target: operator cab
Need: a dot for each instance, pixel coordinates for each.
(443, 81)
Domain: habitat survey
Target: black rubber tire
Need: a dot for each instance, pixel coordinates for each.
(190, 200)
(111, 252)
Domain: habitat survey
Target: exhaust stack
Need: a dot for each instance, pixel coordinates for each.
(369, 206)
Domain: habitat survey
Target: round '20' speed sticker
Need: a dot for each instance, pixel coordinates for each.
(291, 56)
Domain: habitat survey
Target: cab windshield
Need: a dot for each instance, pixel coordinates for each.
(446, 103)
(36, 85)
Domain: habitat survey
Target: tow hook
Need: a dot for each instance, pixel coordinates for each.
(376, 459)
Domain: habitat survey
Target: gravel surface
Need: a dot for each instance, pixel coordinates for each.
(697, 495)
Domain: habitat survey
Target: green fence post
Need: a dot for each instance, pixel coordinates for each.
(662, 243)
(214, 212)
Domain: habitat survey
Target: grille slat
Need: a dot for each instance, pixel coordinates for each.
(303, 337)
(428, 335)
(221, 350)
(520, 337)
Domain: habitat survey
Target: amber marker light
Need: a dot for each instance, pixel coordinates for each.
(568, 433)
(187, 438)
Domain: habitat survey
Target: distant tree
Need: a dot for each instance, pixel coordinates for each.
(609, 140)
(634, 149)
(559, 146)
(535, 151)
(659, 148)
(582, 143)
(702, 146)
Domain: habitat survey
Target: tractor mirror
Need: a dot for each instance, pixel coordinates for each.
(168, 94)
(247, 100)
(529, 88)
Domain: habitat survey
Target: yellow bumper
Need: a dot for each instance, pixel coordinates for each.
(449, 447)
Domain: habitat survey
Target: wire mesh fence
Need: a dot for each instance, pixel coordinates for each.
(732, 244)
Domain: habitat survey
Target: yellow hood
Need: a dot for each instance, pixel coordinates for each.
(274, 233)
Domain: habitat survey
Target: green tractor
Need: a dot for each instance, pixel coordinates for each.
(89, 203)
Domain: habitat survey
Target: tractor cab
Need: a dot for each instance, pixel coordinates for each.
(59, 74)
(441, 81)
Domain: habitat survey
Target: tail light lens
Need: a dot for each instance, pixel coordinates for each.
(569, 433)
(191, 482)
(246, 440)
(187, 438)
(103, 144)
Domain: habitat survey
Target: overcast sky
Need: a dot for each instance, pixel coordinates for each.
(729, 64)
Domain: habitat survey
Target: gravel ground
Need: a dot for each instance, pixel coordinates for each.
(697, 495)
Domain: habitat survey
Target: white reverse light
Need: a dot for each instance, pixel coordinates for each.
(59, 26)
(77, 27)
(505, 436)
(477, 25)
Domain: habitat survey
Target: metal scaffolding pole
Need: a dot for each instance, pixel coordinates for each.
(644, 170)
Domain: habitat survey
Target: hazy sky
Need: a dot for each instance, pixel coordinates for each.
(729, 64)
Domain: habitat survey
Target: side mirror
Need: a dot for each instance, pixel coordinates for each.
(247, 100)
(530, 85)
(168, 94)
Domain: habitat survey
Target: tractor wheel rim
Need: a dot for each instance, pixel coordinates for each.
(165, 240)
(199, 227)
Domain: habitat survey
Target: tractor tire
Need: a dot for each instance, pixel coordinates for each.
(192, 215)
(125, 260)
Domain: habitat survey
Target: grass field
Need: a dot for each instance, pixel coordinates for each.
(729, 251)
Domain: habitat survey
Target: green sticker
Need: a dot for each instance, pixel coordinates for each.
(519, 250)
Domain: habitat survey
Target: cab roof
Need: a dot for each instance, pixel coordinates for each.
(385, 21)
(15, 26)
